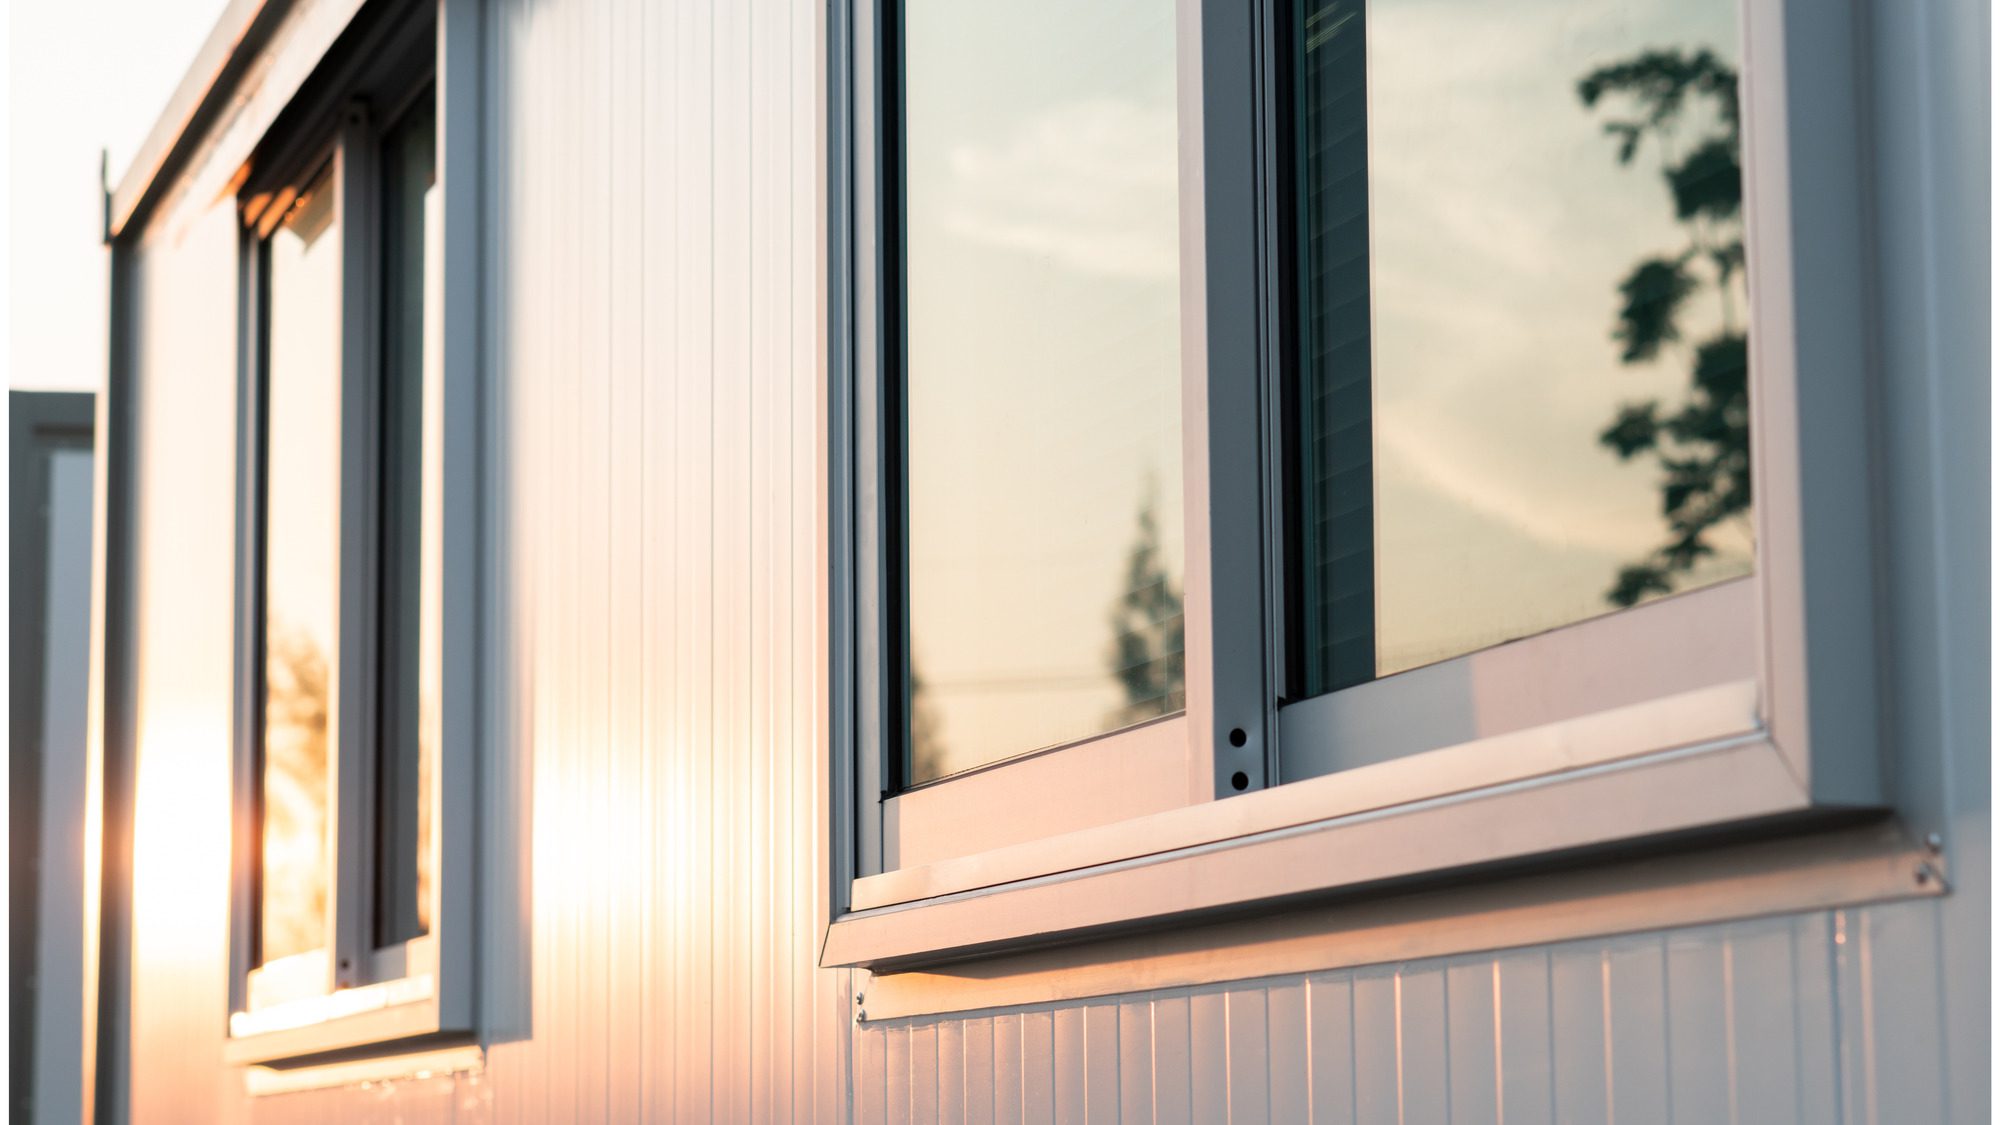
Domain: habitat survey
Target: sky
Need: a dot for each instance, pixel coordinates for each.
(83, 76)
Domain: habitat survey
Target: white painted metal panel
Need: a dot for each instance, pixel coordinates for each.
(1378, 1095)
(184, 329)
(651, 356)
(1008, 1089)
(654, 788)
(1330, 1014)
(1471, 996)
(1720, 1023)
(1291, 1070)
(1173, 1090)
(1700, 1039)
(1525, 1049)
(1636, 1025)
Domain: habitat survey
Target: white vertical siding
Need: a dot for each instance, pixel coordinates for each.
(184, 282)
(654, 343)
(654, 838)
(656, 806)
(1831, 1017)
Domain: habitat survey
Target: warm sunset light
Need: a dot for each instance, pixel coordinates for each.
(852, 561)
(308, 1010)
(181, 841)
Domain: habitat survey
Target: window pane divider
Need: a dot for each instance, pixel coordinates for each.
(353, 741)
(1222, 350)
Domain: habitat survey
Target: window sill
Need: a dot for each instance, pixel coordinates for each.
(1577, 785)
(369, 1016)
(1829, 867)
(1673, 791)
(1691, 720)
(410, 1066)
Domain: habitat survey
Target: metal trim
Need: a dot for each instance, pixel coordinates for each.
(455, 73)
(1704, 787)
(1872, 863)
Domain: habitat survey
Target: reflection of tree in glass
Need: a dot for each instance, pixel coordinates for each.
(295, 794)
(1147, 630)
(927, 751)
(1702, 444)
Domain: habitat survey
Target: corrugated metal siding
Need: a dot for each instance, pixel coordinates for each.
(1833, 1017)
(654, 832)
(185, 283)
(654, 342)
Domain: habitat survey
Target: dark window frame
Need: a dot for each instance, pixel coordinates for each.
(384, 66)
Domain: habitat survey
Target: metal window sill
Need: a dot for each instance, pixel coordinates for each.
(1706, 786)
(410, 1066)
(1827, 868)
(374, 1015)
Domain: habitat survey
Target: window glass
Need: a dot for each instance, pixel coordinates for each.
(412, 391)
(1520, 398)
(301, 572)
(1042, 388)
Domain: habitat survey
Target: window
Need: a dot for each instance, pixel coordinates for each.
(1303, 445)
(1519, 401)
(1040, 396)
(355, 638)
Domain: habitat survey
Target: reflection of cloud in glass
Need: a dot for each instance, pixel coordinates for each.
(1091, 185)
(1417, 444)
(1043, 381)
(1500, 223)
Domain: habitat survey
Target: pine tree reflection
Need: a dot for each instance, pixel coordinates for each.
(295, 794)
(1702, 444)
(1148, 630)
(928, 757)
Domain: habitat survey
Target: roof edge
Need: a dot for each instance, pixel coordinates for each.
(187, 110)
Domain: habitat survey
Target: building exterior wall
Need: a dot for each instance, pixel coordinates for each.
(48, 594)
(655, 840)
(184, 332)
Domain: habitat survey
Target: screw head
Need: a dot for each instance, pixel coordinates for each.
(1934, 842)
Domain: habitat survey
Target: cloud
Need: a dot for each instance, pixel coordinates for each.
(1558, 513)
(1093, 185)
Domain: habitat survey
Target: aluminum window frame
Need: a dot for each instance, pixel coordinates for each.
(1705, 639)
(1796, 747)
(353, 995)
(1192, 754)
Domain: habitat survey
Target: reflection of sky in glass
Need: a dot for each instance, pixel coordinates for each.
(411, 497)
(1044, 367)
(1500, 225)
(302, 506)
